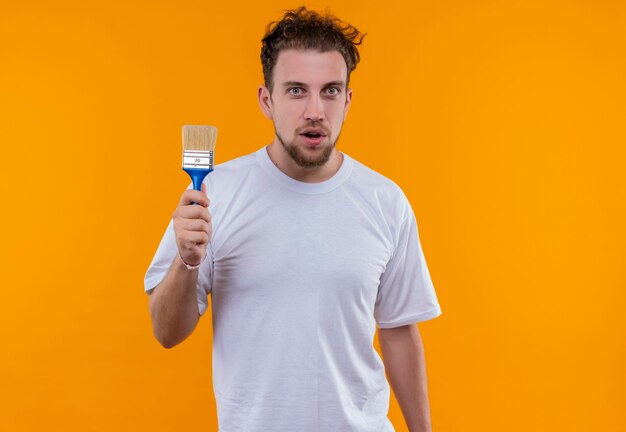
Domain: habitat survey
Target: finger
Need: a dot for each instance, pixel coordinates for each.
(192, 212)
(191, 196)
(198, 225)
(189, 239)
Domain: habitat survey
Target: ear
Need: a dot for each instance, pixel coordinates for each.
(347, 105)
(265, 102)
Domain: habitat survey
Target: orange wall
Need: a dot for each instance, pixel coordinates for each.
(503, 121)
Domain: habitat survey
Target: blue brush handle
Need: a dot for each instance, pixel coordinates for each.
(197, 176)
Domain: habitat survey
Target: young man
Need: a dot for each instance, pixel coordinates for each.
(304, 252)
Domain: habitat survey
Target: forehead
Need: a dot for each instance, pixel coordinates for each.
(309, 66)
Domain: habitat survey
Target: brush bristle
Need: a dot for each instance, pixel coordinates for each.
(199, 137)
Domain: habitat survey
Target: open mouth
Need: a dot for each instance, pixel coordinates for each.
(313, 138)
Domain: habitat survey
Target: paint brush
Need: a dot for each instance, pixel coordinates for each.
(198, 145)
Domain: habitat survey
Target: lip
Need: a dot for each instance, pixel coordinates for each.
(313, 142)
(319, 131)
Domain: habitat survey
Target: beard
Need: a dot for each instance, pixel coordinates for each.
(300, 158)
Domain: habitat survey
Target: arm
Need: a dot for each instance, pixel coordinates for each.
(173, 305)
(403, 356)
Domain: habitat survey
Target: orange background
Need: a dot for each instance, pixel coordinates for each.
(503, 121)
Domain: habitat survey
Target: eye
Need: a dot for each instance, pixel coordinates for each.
(332, 91)
(295, 91)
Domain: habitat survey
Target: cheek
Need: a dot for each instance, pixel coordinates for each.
(336, 109)
(337, 114)
(286, 117)
(283, 125)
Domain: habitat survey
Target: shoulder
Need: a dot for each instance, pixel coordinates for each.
(383, 191)
(234, 166)
(231, 173)
(372, 178)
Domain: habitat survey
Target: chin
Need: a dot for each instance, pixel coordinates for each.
(305, 156)
(304, 160)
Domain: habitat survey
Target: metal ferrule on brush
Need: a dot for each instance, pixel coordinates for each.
(197, 164)
(198, 159)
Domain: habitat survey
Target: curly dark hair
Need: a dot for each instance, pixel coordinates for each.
(305, 29)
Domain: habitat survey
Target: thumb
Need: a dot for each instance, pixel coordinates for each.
(204, 191)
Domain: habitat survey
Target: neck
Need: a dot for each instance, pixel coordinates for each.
(288, 166)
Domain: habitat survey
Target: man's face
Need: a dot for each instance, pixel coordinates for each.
(309, 103)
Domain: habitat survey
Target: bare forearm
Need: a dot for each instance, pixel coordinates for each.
(403, 355)
(173, 305)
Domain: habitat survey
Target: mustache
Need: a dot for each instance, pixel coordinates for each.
(323, 128)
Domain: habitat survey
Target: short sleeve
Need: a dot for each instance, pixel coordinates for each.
(406, 294)
(165, 254)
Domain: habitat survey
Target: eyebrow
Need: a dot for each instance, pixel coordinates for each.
(341, 84)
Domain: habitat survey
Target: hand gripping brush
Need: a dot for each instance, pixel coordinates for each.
(198, 145)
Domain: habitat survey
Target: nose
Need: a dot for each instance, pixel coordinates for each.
(314, 108)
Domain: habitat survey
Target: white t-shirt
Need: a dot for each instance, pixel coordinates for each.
(301, 274)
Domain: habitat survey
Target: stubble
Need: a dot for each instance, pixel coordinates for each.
(302, 159)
